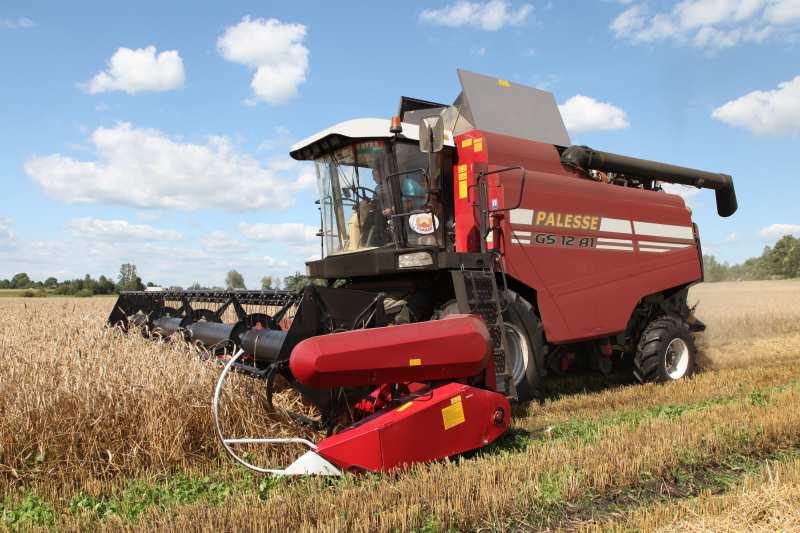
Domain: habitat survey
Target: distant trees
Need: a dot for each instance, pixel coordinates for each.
(266, 283)
(20, 281)
(714, 270)
(784, 258)
(86, 286)
(295, 282)
(779, 261)
(234, 280)
(129, 279)
(298, 281)
(105, 286)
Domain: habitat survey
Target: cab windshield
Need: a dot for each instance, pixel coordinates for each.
(373, 193)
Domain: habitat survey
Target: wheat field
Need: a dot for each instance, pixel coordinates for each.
(102, 430)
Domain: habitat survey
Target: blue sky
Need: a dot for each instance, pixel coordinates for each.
(157, 132)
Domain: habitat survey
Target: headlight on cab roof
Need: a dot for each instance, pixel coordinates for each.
(417, 259)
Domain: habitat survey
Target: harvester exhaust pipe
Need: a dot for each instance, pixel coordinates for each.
(585, 158)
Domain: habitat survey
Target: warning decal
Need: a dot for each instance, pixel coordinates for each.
(462, 182)
(453, 414)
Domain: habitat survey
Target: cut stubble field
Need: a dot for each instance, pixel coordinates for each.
(103, 430)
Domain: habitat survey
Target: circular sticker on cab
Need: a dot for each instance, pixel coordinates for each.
(423, 223)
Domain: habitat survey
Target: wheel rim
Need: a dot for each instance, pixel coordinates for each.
(676, 358)
(517, 346)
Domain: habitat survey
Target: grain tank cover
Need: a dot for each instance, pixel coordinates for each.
(499, 106)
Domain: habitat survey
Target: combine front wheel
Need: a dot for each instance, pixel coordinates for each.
(666, 351)
(524, 340)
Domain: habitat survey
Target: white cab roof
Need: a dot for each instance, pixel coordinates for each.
(360, 128)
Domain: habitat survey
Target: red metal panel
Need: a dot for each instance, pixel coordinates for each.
(585, 291)
(452, 348)
(452, 419)
(472, 157)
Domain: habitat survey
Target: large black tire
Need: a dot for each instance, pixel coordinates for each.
(525, 337)
(522, 325)
(665, 352)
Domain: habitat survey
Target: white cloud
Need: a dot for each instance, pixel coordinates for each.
(582, 114)
(146, 168)
(488, 16)
(148, 216)
(281, 139)
(162, 263)
(732, 237)
(104, 247)
(221, 241)
(779, 230)
(775, 112)
(783, 12)
(7, 237)
(165, 262)
(684, 191)
(140, 70)
(287, 232)
(631, 19)
(702, 13)
(120, 230)
(275, 50)
(708, 24)
(21, 23)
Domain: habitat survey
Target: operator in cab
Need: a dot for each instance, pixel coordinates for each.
(369, 225)
(379, 213)
(412, 198)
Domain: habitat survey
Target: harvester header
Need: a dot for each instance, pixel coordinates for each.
(469, 252)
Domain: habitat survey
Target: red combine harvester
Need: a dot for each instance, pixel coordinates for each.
(469, 251)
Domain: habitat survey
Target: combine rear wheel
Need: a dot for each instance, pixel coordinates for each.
(666, 351)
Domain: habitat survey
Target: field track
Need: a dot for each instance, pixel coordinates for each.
(102, 430)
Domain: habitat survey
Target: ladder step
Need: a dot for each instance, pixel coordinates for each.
(478, 289)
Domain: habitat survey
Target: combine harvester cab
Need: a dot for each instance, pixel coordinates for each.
(469, 252)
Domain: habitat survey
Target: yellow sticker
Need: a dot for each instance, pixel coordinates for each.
(466, 143)
(414, 362)
(478, 145)
(462, 189)
(404, 407)
(462, 169)
(453, 414)
(503, 83)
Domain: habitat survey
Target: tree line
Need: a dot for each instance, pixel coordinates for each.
(778, 262)
(127, 280)
(234, 280)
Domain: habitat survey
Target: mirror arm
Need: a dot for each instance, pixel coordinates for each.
(521, 186)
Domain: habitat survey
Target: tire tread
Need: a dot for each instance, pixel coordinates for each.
(652, 344)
